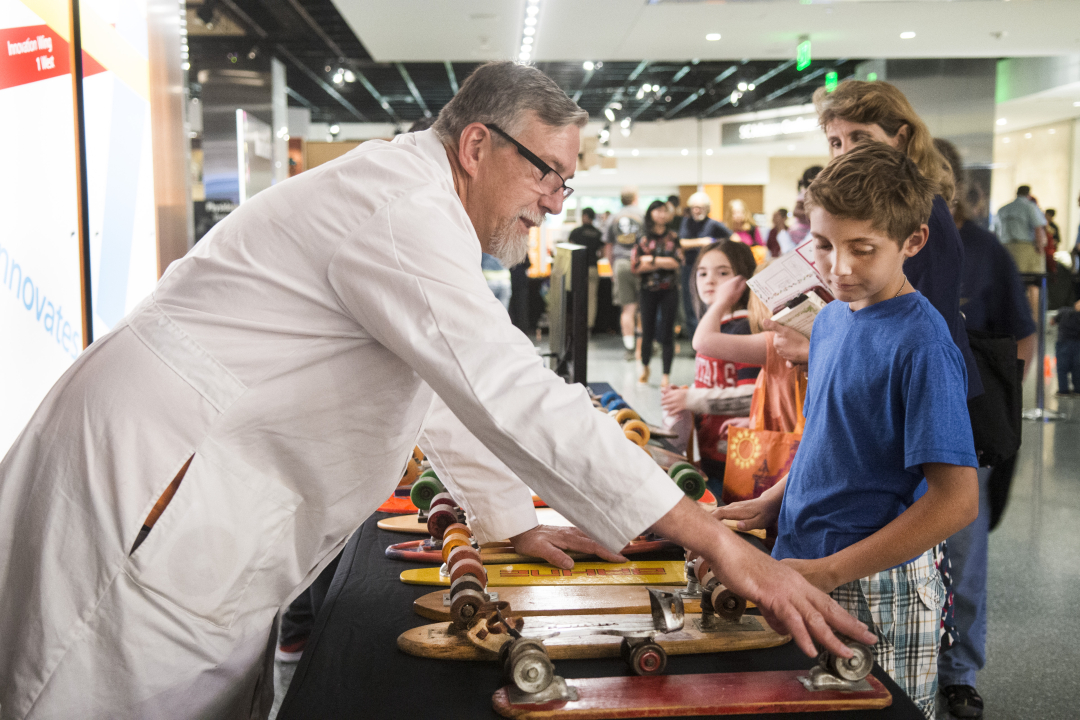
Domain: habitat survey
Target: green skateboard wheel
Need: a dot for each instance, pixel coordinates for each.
(691, 482)
(679, 467)
(424, 489)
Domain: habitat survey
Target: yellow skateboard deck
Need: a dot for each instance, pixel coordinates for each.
(645, 572)
(436, 641)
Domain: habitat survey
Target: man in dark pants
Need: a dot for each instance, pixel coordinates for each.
(299, 619)
(589, 236)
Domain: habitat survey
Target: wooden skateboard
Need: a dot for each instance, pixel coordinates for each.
(740, 693)
(438, 641)
(403, 505)
(424, 551)
(529, 600)
(653, 572)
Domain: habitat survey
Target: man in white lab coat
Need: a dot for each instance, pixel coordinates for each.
(294, 357)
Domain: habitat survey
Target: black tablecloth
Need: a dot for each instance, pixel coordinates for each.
(352, 667)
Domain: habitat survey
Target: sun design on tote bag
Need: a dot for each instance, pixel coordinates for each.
(744, 448)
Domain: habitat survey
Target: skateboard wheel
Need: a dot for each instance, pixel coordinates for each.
(451, 543)
(608, 397)
(635, 437)
(457, 529)
(648, 659)
(464, 605)
(727, 604)
(528, 665)
(707, 579)
(439, 519)
(679, 467)
(692, 483)
(855, 668)
(424, 491)
(638, 426)
(626, 414)
(443, 498)
(463, 583)
(469, 567)
(701, 568)
(461, 552)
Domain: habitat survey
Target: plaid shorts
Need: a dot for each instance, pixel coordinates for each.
(903, 607)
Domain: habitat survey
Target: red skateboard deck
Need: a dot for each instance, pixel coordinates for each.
(704, 694)
(497, 553)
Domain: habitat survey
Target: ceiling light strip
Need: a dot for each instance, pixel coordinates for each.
(450, 74)
(413, 89)
(694, 96)
(527, 36)
(321, 83)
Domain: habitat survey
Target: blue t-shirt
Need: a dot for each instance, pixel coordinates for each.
(992, 296)
(936, 272)
(886, 393)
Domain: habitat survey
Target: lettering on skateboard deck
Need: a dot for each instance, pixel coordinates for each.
(502, 553)
(440, 641)
(689, 695)
(653, 572)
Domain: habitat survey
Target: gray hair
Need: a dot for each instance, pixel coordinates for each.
(503, 93)
(700, 198)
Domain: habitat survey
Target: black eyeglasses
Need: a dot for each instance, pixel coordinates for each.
(550, 180)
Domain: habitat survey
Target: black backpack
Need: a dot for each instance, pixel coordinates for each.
(996, 414)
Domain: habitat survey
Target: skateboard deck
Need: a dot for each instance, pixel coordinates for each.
(777, 691)
(435, 641)
(544, 515)
(646, 572)
(549, 600)
(502, 553)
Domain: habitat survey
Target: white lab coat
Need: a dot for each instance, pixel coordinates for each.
(296, 352)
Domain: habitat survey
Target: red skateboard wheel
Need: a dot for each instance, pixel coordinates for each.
(439, 519)
(461, 552)
(443, 498)
(465, 582)
(469, 567)
(701, 566)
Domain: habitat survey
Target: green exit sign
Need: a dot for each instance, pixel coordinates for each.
(802, 55)
(831, 81)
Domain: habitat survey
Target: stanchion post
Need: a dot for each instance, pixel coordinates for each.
(1039, 412)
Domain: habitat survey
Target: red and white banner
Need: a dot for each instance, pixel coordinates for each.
(30, 54)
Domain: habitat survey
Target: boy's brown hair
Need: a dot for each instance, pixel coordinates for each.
(878, 183)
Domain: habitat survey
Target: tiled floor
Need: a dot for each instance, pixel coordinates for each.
(1032, 656)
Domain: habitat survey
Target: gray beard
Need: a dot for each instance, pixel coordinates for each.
(509, 245)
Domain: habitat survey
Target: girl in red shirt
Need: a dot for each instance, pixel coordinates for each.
(722, 388)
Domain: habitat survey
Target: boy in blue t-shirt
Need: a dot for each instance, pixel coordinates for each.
(885, 407)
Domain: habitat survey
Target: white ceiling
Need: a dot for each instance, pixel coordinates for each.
(475, 30)
(1041, 108)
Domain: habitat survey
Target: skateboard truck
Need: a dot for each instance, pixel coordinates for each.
(833, 672)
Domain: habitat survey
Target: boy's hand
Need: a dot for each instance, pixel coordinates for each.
(730, 292)
(673, 399)
(816, 572)
(756, 514)
(790, 344)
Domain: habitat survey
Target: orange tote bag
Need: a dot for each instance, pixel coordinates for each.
(758, 458)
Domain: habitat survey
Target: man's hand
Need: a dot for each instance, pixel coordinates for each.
(756, 514)
(790, 344)
(548, 542)
(673, 399)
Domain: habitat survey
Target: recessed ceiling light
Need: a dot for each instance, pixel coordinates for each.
(685, 151)
(617, 105)
(1004, 139)
(742, 86)
(712, 37)
(1002, 121)
(533, 10)
(527, 41)
(1027, 136)
(634, 152)
(611, 152)
(609, 114)
(588, 65)
(1052, 131)
(1076, 104)
(708, 151)
(790, 148)
(530, 20)
(530, 31)
(907, 35)
(625, 122)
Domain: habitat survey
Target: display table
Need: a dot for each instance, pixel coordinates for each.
(352, 667)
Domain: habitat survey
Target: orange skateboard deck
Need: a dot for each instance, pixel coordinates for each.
(502, 553)
(561, 600)
(645, 572)
(778, 691)
(403, 505)
(437, 641)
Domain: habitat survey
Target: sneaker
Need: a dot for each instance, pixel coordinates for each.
(291, 652)
(964, 701)
(629, 355)
(644, 378)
